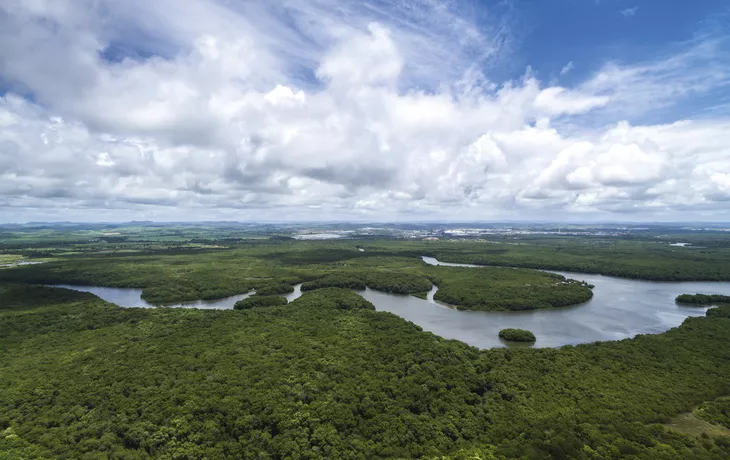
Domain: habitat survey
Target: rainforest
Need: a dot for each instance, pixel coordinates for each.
(329, 374)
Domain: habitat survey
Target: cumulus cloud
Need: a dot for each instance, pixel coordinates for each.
(201, 110)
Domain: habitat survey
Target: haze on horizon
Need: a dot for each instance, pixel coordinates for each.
(388, 110)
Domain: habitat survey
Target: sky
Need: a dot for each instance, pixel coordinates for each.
(397, 110)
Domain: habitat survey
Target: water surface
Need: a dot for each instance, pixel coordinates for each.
(620, 308)
(132, 297)
(20, 263)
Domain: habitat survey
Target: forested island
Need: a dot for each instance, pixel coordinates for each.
(703, 299)
(517, 335)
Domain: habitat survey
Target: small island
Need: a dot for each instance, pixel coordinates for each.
(703, 299)
(260, 301)
(517, 335)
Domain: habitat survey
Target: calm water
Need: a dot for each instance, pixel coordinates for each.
(318, 236)
(620, 308)
(20, 263)
(131, 297)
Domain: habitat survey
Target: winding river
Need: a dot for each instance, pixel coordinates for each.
(132, 297)
(620, 308)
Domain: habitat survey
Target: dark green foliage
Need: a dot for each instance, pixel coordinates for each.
(517, 335)
(281, 238)
(23, 296)
(717, 411)
(335, 280)
(172, 278)
(628, 262)
(329, 377)
(386, 281)
(641, 259)
(273, 289)
(703, 299)
(719, 312)
(326, 378)
(341, 299)
(260, 301)
(491, 288)
(397, 283)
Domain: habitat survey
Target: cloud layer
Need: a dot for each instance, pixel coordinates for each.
(322, 109)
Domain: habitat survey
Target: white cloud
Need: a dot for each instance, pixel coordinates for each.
(567, 68)
(629, 12)
(697, 70)
(351, 112)
(557, 101)
(364, 59)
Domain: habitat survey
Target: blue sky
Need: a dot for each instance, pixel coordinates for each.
(384, 110)
(549, 35)
(590, 33)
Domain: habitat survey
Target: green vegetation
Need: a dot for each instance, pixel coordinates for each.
(720, 312)
(337, 298)
(717, 411)
(274, 288)
(260, 301)
(328, 377)
(703, 299)
(334, 280)
(399, 283)
(629, 258)
(690, 424)
(517, 335)
(272, 269)
(6, 259)
(506, 289)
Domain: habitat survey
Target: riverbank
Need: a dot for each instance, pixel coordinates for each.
(212, 383)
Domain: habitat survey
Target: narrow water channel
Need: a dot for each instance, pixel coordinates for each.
(132, 297)
(620, 308)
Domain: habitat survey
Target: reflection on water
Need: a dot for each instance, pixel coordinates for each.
(20, 263)
(620, 308)
(318, 236)
(131, 297)
(295, 294)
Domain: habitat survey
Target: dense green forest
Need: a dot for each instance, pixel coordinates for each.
(647, 255)
(260, 301)
(273, 268)
(703, 299)
(717, 411)
(517, 335)
(492, 288)
(328, 377)
(641, 259)
(721, 312)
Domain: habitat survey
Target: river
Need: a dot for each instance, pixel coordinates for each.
(132, 297)
(620, 308)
